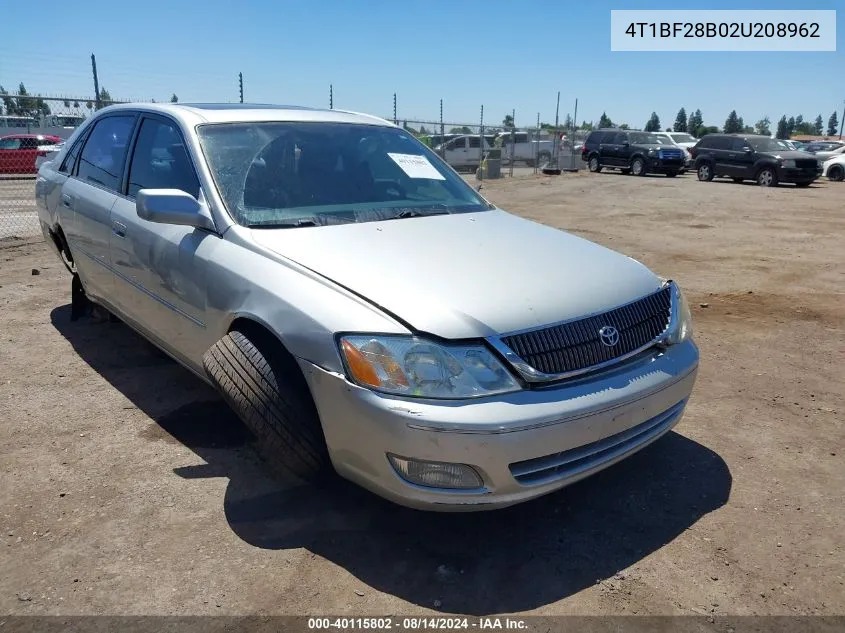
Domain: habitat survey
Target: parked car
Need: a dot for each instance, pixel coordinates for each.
(19, 152)
(823, 155)
(682, 139)
(360, 306)
(464, 152)
(666, 139)
(822, 146)
(834, 168)
(634, 152)
(524, 147)
(766, 160)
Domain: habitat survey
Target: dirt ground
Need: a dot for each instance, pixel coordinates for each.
(126, 487)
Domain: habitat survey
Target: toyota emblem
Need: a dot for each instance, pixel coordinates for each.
(609, 335)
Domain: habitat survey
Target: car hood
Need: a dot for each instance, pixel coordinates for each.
(789, 154)
(467, 275)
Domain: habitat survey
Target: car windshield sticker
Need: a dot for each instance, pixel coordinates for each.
(416, 166)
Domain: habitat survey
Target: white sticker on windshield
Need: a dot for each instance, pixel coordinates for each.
(416, 166)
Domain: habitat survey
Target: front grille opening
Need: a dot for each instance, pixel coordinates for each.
(576, 346)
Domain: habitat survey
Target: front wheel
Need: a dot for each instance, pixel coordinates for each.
(767, 177)
(705, 172)
(638, 167)
(836, 173)
(594, 165)
(271, 398)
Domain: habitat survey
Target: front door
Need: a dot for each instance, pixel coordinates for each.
(160, 278)
(740, 159)
(456, 152)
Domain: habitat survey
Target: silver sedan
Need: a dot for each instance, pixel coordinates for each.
(361, 307)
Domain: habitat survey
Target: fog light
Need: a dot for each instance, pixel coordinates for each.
(436, 474)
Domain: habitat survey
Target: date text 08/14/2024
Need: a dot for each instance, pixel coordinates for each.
(415, 623)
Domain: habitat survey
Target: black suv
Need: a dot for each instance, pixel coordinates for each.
(751, 157)
(633, 152)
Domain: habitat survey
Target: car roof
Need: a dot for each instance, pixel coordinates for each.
(197, 113)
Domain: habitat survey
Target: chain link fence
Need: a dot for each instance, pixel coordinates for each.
(32, 127)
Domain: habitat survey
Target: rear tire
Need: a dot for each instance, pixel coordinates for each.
(705, 172)
(767, 177)
(269, 394)
(836, 173)
(594, 165)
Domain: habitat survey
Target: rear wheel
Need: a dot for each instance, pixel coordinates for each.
(638, 167)
(705, 172)
(836, 173)
(265, 388)
(594, 165)
(767, 177)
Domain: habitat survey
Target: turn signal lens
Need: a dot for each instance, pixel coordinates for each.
(361, 369)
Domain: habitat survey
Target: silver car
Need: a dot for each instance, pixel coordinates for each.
(361, 307)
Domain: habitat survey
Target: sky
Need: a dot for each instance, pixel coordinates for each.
(502, 55)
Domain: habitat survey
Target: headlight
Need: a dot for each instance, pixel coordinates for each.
(412, 366)
(788, 163)
(652, 152)
(681, 327)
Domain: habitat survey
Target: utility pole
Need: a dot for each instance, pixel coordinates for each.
(842, 123)
(331, 97)
(395, 120)
(96, 81)
(537, 146)
(481, 146)
(442, 140)
(555, 145)
(241, 86)
(513, 141)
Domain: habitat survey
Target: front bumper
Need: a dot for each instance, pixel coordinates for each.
(798, 174)
(661, 166)
(523, 444)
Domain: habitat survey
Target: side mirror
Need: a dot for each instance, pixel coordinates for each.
(747, 149)
(172, 206)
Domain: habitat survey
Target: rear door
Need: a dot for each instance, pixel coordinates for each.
(474, 149)
(88, 195)
(721, 149)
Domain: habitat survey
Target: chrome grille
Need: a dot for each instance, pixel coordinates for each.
(575, 461)
(576, 346)
(806, 163)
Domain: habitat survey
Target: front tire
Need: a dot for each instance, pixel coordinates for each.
(836, 173)
(269, 394)
(767, 177)
(638, 167)
(594, 165)
(705, 172)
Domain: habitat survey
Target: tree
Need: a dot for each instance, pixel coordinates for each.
(66, 103)
(174, 98)
(818, 126)
(422, 128)
(507, 122)
(703, 130)
(89, 105)
(833, 125)
(8, 102)
(764, 126)
(624, 126)
(605, 121)
(104, 95)
(76, 104)
(653, 123)
(680, 122)
(783, 128)
(460, 130)
(586, 125)
(567, 122)
(694, 122)
(790, 125)
(733, 124)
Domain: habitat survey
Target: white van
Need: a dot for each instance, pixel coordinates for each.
(464, 152)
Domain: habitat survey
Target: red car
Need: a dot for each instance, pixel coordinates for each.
(18, 152)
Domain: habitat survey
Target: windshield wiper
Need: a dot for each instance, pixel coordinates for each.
(284, 224)
(417, 212)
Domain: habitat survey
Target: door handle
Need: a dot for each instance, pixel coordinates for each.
(119, 229)
(67, 201)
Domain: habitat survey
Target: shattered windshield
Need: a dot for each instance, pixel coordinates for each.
(297, 174)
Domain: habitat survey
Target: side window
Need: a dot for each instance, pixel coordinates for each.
(104, 154)
(618, 138)
(160, 160)
(738, 144)
(69, 164)
(29, 143)
(10, 143)
(474, 142)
